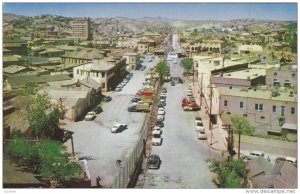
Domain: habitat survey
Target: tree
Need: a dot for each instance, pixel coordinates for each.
(55, 164)
(241, 123)
(45, 157)
(42, 119)
(229, 175)
(187, 65)
(162, 69)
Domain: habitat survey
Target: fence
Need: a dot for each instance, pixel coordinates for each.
(128, 168)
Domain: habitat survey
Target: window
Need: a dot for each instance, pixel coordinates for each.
(282, 111)
(103, 74)
(97, 74)
(241, 104)
(292, 110)
(259, 107)
(276, 82)
(77, 71)
(275, 73)
(225, 103)
(293, 75)
(274, 108)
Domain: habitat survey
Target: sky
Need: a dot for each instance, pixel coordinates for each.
(190, 11)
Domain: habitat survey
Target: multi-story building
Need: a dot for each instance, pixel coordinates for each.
(132, 60)
(266, 110)
(81, 28)
(82, 55)
(108, 72)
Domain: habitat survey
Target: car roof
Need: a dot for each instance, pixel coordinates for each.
(154, 156)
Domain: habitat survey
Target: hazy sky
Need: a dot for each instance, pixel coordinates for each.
(197, 11)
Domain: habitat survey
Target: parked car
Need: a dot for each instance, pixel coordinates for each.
(118, 128)
(160, 124)
(161, 104)
(156, 140)
(156, 130)
(161, 112)
(198, 119)
(201, 136)
(90, 116)
(160, 118)
(118, 89)
(199, 127)
(255, 154)
(288, 159)
(164, 90)
(192, 99)
(98, 109)
(136, 99)
(154, 162)
(106, 99)
(161, 109)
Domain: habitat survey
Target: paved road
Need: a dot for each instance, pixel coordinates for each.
(93, 138)
(183, 155)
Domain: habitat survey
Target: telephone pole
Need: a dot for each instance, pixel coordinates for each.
(210, 110)
(201, 85)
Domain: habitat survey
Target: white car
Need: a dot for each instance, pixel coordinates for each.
(156, 140)
(90, 116)
(156, 130)
(160, 118)
(161, 112)
(201, 136)
(118, 128)
(255, 154)
(197, 119)
(199, 127)
(161, 109)
(189, 93)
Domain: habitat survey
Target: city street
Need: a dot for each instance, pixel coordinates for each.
(93, 139)
(183, 156)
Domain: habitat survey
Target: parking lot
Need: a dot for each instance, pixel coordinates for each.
(93, 139)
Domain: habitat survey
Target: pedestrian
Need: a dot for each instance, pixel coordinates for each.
(98, 179)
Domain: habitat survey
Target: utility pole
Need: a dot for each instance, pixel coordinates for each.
(210, 110)
(229, 139)
(201, 85)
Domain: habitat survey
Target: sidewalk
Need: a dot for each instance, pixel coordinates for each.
(215, 137)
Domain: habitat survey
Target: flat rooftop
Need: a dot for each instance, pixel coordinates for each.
(258, 94)
(244, 74)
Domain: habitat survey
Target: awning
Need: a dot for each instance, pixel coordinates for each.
(290, 126)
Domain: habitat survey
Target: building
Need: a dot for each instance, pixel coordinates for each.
(15, 69)
(266, 110)
(16, 46)
(282, 76)
(132, 60)
(75, 102)
(240, 78)
(81, 28)
(212, 45)
(262, 174)
(82, 55)
(249, 49)
(108, 72)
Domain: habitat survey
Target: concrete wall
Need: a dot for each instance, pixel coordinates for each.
(262, 120)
